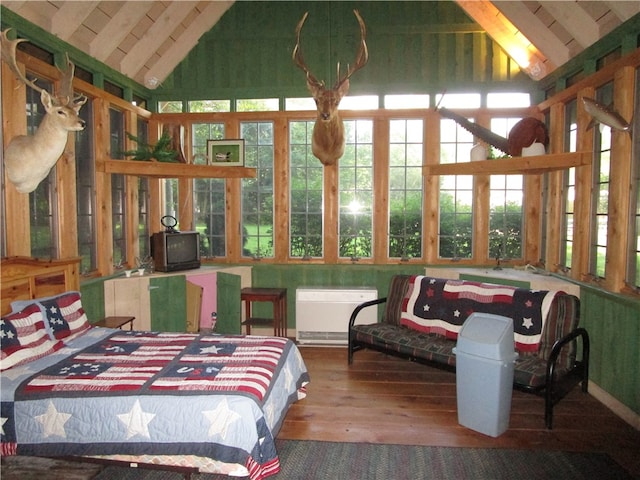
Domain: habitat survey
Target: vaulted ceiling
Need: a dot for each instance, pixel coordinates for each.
(145, 40)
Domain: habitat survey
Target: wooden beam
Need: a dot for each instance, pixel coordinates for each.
(173, 170)
(537, 32)
(623, 10)
(153, 38)
(575, 20)
(69, 18)
(114, 32)
(185, 43)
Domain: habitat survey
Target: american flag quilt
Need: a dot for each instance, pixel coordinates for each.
(441, 306)
(151, 393)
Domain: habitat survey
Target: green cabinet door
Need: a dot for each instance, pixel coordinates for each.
(229, 304)
(168, 303)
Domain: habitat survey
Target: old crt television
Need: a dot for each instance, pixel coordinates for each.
(173, 251)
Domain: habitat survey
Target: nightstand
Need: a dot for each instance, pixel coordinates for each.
(116, 322)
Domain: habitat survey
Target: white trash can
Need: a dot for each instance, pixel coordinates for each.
(485, 356)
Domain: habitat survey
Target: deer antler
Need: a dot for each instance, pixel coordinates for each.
(362, 57)
(299, 59)
(328, 131)
(8, 51)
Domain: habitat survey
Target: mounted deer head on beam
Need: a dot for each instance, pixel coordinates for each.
(28, 159)
(327, 143)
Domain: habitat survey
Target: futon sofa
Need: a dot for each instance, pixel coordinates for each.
(423, 315)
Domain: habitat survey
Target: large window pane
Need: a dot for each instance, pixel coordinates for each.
(118, 189)
(455, 237)
(85, 192)
(570, 144)
(257, 193)
(306, 187)
(355, 235)
(405, 188)
(210, 195)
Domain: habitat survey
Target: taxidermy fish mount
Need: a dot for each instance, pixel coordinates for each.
(522, 135)
(605, 115)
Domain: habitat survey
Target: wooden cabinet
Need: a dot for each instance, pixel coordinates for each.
(160, 301)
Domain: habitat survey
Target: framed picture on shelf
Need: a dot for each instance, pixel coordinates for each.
(226, 153)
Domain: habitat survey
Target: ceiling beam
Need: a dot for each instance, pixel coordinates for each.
(509, 37)
(624, 10)
(114, 32)
(575, 20)
(181, 48)
(153, 38)
(69, 17)
(537, 32)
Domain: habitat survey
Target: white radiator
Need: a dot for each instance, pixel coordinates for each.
(322, 313)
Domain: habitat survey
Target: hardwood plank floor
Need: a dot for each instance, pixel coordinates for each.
(384, 399)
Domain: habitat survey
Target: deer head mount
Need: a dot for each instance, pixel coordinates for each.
(28, 159)
(327, 142)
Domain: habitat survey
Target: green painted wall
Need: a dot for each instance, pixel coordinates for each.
(414, 47)
(613, 323)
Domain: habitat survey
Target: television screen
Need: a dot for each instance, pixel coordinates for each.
(182, 248)
(174, 251)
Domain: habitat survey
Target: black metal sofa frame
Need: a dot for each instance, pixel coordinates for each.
(551, 372)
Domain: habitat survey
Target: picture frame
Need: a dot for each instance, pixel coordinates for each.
(226, 153)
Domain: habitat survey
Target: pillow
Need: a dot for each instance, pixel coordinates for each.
(23, 338)
(63, 314)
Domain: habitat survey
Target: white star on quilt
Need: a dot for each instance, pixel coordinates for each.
(426, 307)
(212, 349)
(456, 313)
(527, 322)
(3, 420)
(221, 418)
(137, 421)
(53, 421)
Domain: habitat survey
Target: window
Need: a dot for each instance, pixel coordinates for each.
(85, 192)
(43, 200)
(506, 196)
(174, 106)
(405, 188)
(456, 194)
(508, 100)
(633, 270)
(198, 106)
(144, 247)
(570, 142)
(600, 198)
(355, 229)
(406, 101)
(257, 193)
(210, 195)
(306, 187)
(118, 190)
(258, 105)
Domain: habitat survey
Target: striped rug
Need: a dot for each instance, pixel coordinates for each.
(363, 461)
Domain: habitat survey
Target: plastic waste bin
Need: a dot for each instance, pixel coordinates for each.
(485, 356)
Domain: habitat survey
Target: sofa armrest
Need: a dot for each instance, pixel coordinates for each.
(362, 306)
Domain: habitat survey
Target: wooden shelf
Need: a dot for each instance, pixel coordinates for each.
(515, 165)
(174, 170)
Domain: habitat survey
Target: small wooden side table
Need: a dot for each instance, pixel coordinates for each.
(116, 322)
(277, 296)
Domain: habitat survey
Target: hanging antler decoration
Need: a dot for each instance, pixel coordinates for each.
(28, 159)
(328, 133)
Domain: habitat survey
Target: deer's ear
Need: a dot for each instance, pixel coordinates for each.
(45, 98)
(343, 89)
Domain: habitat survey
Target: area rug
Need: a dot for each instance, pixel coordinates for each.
(364, 461)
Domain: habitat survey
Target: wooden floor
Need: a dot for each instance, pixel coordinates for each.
(383, 399)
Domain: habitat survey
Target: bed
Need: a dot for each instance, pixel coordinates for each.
(208, 403)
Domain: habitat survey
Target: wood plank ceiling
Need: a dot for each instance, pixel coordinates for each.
(146, 40)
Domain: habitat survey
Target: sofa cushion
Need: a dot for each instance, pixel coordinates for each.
(425, 346)
(397, 291)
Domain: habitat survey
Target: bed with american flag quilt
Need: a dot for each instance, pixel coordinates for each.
(211, 401)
